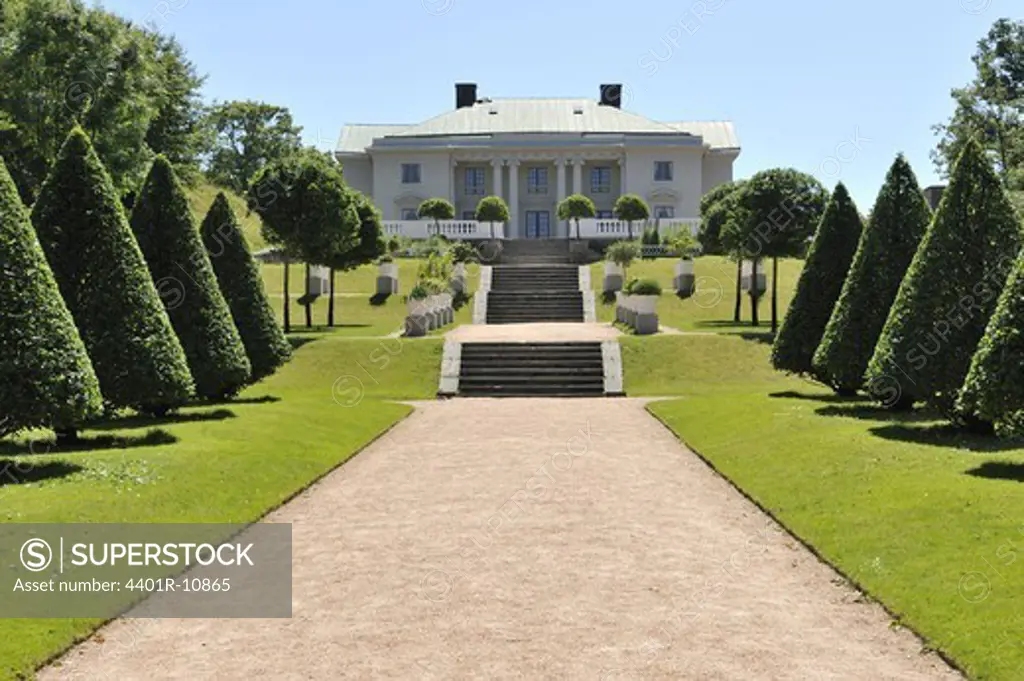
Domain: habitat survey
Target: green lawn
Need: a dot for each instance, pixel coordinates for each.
(355, 314)
(926, 520)
(711, 308)
(224, 463)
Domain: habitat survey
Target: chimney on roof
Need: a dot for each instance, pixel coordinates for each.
(611, 95)
(465, 95)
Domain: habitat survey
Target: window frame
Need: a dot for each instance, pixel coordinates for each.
(474, 189)
(600, 188)
(537, 187)
(669, 166)
(404, 212)
(406, 176)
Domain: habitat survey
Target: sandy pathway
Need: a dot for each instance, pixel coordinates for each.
(530, 539)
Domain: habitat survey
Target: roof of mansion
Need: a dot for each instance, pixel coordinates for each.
(537, 116)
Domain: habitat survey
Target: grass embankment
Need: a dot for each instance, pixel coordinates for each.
(925, 519)
(710, 309)
(356, 311)
(223, 463)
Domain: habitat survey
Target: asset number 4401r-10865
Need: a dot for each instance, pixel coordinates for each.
(179, 584)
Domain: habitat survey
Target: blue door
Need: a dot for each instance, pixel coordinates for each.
(538, 224)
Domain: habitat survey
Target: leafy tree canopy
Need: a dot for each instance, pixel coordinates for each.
(248, 136)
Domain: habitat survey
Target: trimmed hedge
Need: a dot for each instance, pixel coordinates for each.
(178, 263)
(46, 378)
(950, 291)
(994, 388)
(106, 286)
(898, 221)
(821, 281)
(239, 279)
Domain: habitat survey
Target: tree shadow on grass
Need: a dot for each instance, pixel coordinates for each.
(999, 470)
(818, 397)
(607, 297)
(876, 412)
(262, 399)
(154, 438)
(945, 435)
(20, 472)
(763, 337)
(298, 341)
(378, 299)
(143, 421)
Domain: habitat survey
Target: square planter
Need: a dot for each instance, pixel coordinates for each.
(684, 279)
(613, 277)
(387, 278)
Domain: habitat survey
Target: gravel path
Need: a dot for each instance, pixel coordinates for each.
(530, 539)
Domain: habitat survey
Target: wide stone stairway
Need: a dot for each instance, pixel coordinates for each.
(534, 293)
(534, 285)
(532, 369)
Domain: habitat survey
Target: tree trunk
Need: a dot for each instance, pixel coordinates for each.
(309, 302)
(330, 302)
(775, 295)
(287, 310)
(739, 292)
(629, 229)
(753, 293)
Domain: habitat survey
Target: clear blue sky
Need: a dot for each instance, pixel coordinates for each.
(798, 78)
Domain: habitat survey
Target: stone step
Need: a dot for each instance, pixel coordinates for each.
(500, 391)
(471, 371)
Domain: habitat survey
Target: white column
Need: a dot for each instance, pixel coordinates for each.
(453, 189)
(513, 200)
(577, 176)
(496, 171)
(560, 184)
(622, 176)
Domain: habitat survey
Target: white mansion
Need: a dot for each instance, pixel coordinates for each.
(533, 153)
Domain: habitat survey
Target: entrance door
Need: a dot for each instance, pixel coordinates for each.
(538, 224)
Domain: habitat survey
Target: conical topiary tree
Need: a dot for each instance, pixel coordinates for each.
(239, 278)
(994, 388)
(890, 239)
(46, 378)
(821, 281)
(167, 234)
(949, 293)
(104, 282)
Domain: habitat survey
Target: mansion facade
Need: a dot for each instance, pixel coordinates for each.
(534, 153)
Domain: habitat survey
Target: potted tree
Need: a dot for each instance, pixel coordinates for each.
(492, 209)
(619, 256)
(576, 207)
(684, 245)
(643, 297)
(436, 210)
(461, 252)
(630, 207)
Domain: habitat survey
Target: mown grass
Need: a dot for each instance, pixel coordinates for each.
(710, 309)
(357, 312)
(925, 519)
(221, 463)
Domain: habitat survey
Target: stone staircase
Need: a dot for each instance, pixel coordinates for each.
(535, 252)
(531, 370)
(534, 293)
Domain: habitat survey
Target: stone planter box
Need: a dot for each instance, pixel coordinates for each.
(387, 279)
(684, 279)
(432, 312)
(745, 276)
(639, 312)
(613, 277)
(319, 282)
(459, 278)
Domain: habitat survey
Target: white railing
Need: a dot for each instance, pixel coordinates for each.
(618, 229)
(452, 229)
